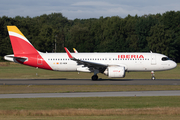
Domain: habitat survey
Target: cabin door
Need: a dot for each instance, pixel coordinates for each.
(153, 59)
(39, 60)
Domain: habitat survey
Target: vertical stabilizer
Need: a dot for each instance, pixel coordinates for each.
(19, 42)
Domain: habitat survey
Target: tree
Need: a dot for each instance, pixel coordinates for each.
(143, 26)
(161, 40)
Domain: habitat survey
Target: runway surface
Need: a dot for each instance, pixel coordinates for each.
(89, 82)
(93, 94)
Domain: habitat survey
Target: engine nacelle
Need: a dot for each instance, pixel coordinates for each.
(116, 72)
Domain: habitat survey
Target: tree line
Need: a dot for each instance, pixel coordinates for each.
(157, 33)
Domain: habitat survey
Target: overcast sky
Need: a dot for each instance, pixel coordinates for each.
(85, 9)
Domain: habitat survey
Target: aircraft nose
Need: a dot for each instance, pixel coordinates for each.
(173, 64)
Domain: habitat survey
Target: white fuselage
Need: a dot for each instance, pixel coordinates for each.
(131, 61)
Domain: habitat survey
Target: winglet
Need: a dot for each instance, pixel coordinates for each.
(68, 53)
(75, 50)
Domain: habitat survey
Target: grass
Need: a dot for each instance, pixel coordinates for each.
(91, 108)
(89, 103)
(120, 117)
(12, 70)
(94, 112)
(7, 89)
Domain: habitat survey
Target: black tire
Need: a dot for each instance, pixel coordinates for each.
(94, 77)
(153, 78)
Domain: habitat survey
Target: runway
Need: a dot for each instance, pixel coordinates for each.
(64, 81)
(90, 82)
(93, 94)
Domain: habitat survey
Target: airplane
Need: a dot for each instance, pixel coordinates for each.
(114, 65)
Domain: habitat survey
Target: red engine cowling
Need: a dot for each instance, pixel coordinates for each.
(116, 72)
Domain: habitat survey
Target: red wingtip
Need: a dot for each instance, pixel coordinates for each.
(68, 53)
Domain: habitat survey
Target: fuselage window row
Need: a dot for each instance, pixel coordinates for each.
(94, 59)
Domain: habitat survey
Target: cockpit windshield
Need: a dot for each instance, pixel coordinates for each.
(165, 58)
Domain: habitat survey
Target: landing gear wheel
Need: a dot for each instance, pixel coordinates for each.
(94, 77)
(152, 74)
(153, 78)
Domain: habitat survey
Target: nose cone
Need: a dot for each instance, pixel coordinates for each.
(173, 64)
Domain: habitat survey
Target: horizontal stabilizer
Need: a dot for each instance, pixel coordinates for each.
(15, 59)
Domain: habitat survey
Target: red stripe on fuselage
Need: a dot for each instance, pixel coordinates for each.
(33, 61)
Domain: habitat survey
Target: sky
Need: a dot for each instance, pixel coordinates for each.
(85, 9)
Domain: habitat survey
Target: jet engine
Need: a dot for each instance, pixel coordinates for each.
(115, 72)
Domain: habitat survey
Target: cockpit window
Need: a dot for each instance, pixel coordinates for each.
(165, 58)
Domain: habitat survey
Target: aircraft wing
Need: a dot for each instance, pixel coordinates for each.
(90, 65)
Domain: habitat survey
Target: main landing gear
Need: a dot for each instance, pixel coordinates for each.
(153, 75)
(94, 77)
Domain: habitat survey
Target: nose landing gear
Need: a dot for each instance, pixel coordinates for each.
(153, 75)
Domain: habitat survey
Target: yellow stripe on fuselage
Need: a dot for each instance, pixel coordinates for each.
(15, 29)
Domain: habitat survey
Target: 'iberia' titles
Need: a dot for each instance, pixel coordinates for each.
(130, 56)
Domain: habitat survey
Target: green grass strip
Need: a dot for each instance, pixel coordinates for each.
(7, 89)
(12, 70)
(88, 103)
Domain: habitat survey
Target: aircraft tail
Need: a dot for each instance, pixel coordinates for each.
(19, 42)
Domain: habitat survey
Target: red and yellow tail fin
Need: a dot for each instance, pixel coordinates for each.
(19, 42)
